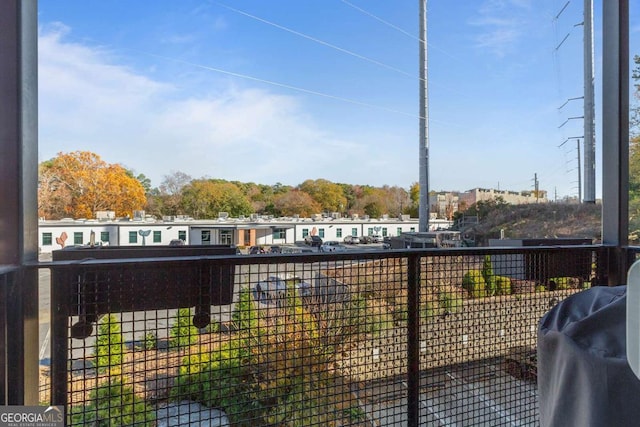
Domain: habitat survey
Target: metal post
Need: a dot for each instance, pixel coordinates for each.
(18, 193)
(615, 134)
(413, 340)
(589, 108)
(423, 152)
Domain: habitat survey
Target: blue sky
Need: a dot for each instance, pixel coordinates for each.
(162, 86)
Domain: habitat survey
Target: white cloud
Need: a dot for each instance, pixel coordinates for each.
(89, 102)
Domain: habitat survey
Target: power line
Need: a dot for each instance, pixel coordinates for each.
(338, 48)
(316, 40)
(395, 27)
(387, 23)
(283, 85)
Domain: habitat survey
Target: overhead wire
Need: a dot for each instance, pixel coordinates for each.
(319, 41)
(283, 85)
(395, 27)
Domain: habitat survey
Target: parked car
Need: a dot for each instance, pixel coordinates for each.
(253, 250)
(313, 240)
(332, 246)
(376, 238)
(365, 240)
(273, 290)
(275, 249)
(351, 240)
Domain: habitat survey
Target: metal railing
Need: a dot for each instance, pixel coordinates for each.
(403, 337)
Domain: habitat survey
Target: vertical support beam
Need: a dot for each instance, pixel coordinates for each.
(18, 193)
(423, 149)
(413, 340)
(589, 109)
(615, 134)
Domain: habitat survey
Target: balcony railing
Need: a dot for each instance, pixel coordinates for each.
(431, 337)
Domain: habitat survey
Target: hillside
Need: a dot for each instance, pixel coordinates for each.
(545, 220)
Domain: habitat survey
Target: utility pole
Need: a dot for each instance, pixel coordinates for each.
(589, 108)
(580, 173)
(423, 208)
(535, 185)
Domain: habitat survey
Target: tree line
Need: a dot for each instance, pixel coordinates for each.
(80, 183)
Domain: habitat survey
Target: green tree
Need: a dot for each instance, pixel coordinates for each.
(108, 347)
(329, 195)
(206, 198)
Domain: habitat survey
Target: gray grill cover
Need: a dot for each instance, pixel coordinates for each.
(583, 375)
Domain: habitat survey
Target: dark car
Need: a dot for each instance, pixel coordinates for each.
(365, 240)
(275, 249)
(313, 241)
(253, 250)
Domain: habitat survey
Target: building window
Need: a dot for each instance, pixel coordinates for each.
(182, 235)
(354, 231)
(157, 236)
(226, 237)
(205, 236)
(104, 236)
(78, 238)
(412, 229)
(279, 233)
(370, 231)
(384, 231)
(133, 237)
(398, 231)
(321, 232)
(305, 232)
(338, 232)
(47, 239)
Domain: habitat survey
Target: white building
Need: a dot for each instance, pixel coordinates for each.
(54, 235)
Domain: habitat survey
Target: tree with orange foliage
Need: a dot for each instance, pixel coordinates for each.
(79, 184)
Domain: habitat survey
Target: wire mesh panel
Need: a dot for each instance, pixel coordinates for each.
(442, 337)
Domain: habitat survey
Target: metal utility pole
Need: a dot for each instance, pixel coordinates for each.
(580, 172)
(423, 209)
(589, 108)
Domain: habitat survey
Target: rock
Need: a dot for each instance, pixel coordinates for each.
(187, 413)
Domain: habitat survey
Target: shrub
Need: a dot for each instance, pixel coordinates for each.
(474, 283)
(489, 278)
(150, 341)
(450, 302)
(182, 332)
(108, 347)
(503, 285)
(561, 283)
(219, 379)
(113, 404)
(245, 315)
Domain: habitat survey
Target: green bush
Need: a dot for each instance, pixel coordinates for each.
(108, 347)
(245, 315)
(560, 283)
(113, 404)
(474, 283)
(150, 341)
(450, 302)
(489, 278)
(503, 285)
(219, 379)
(182, 332)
